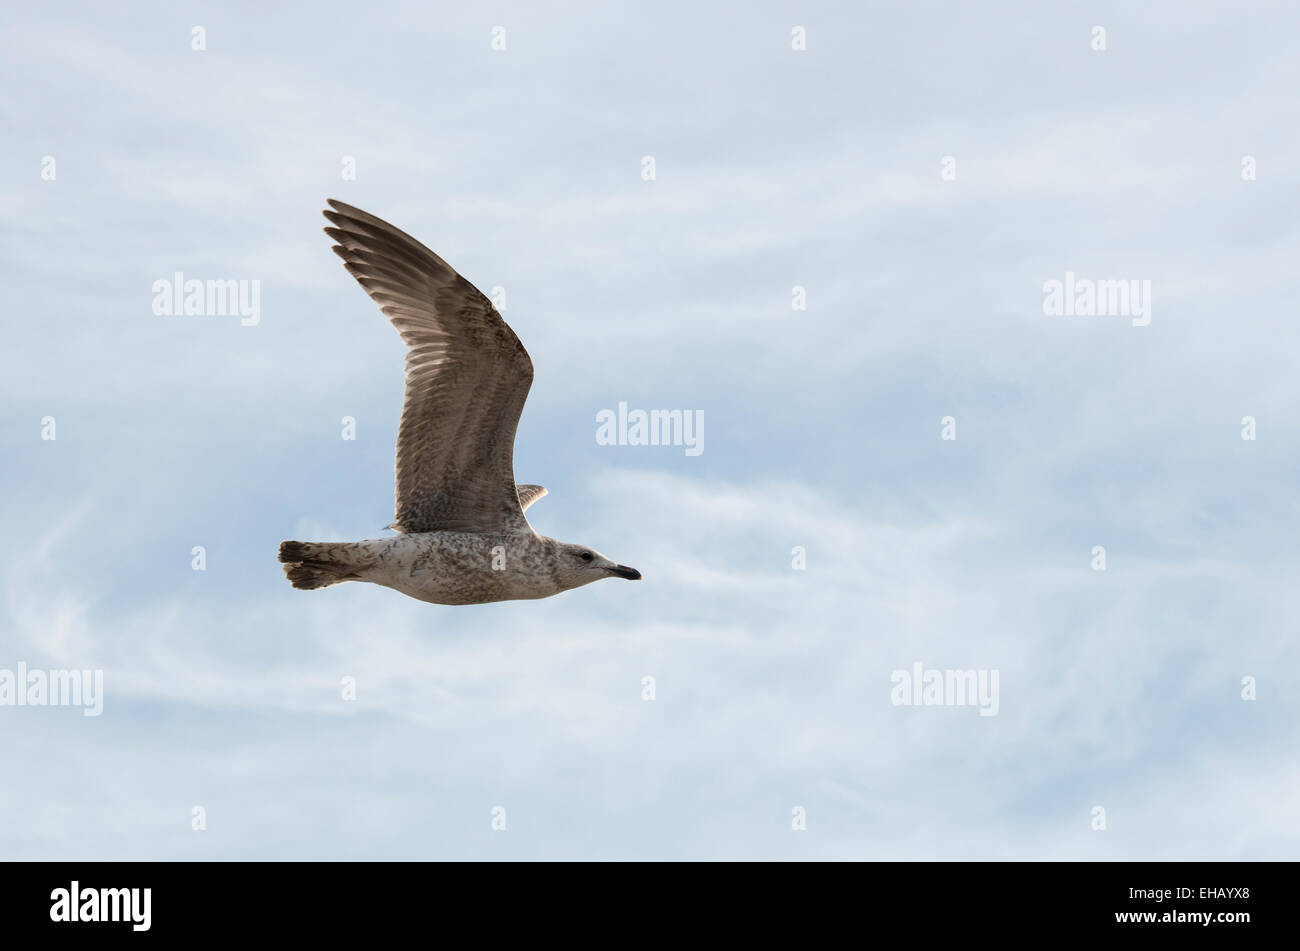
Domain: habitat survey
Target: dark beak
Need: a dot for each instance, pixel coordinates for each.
(623, 571)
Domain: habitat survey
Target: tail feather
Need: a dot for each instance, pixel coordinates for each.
(311, 565)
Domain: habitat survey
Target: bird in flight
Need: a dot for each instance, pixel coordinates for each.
(463, 536)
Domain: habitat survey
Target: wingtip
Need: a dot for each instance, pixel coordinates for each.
(341, 207)
(336, 210)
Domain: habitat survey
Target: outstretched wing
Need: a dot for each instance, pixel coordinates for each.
(467, 376)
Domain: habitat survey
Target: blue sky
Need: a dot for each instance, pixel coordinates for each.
(775, 168)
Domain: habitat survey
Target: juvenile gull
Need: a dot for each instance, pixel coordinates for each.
(464, 537)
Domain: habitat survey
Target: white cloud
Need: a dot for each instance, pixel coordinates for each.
(924, 299)
(773, 690)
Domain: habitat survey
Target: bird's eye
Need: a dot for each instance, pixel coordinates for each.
(585, 556)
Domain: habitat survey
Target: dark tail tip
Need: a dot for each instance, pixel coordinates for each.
(309, 578)
(291, 552)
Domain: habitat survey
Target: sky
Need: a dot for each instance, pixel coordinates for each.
(825, 228)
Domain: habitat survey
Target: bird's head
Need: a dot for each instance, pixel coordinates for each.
(576, 565)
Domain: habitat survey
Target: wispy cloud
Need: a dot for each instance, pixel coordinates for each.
(820, 170)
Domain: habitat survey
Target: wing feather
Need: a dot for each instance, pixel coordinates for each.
(467, 377)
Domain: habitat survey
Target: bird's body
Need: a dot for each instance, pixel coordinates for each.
(464, 537)
(442, 567)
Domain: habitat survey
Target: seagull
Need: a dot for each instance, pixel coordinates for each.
(463, 536)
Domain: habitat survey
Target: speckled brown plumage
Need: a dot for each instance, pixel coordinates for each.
(464, 538)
